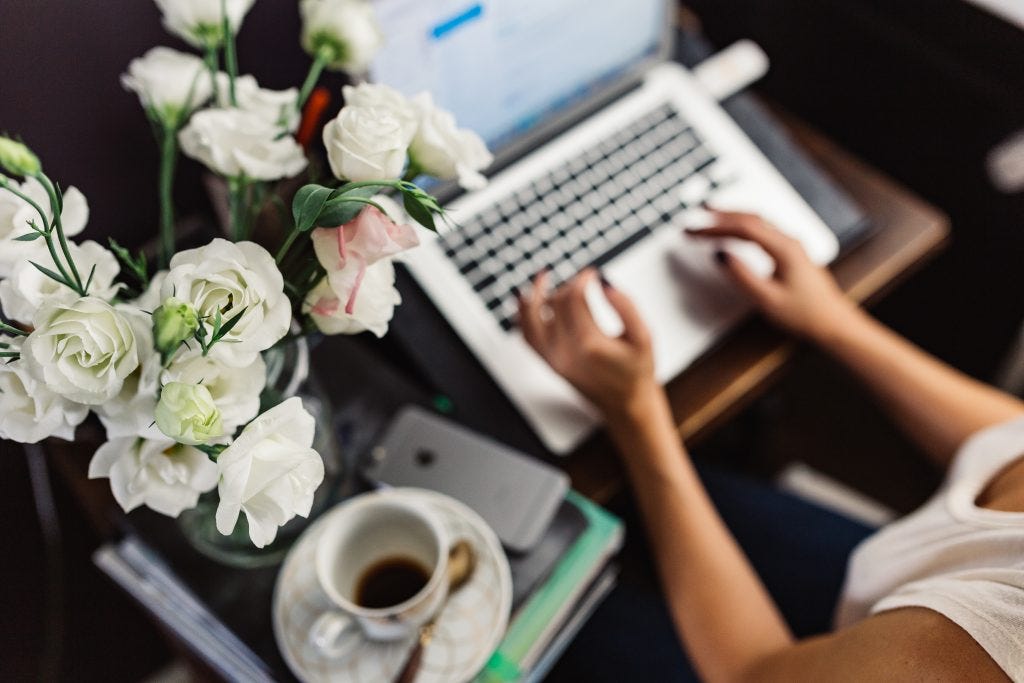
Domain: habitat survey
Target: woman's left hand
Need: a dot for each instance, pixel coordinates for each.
(615, 373)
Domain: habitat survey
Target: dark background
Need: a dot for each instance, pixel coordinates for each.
(922, 90)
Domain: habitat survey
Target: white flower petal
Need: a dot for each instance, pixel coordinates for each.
(269, 472)
(159, 474)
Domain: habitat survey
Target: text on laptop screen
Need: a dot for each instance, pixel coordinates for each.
(504, 66)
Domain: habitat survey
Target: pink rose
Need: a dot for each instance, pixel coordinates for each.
(345, 252)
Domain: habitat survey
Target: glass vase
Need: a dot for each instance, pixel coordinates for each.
(288, 375)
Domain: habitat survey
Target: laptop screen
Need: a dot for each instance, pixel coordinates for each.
(504, 67)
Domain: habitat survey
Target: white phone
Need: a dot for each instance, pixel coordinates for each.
(515, 494)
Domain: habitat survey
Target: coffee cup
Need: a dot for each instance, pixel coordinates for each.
(382, 561)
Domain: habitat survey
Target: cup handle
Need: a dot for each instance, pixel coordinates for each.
(335, 634)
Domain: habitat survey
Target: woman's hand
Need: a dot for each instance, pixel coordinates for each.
(800, 296)
(616, 374)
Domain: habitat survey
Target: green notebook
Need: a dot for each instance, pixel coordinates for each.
(541, 617)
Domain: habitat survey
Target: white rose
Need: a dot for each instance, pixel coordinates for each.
(16, 213)
(83, 350)
(382, 97)
(130, 413)
(27, 288)
(270, 472)
(235, 391)
(229, 277)
(276, 107)
(169, 83)
(199, 22)
(373, 308)
(150, 299)
(187, 414)
(158, 473)
(29, 411)
(445, 151)
(235, 142)
(368, 143)
(346, 30)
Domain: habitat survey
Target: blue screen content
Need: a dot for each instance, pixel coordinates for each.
(505, 66)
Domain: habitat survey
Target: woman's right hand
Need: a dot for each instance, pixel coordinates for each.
(799, 296)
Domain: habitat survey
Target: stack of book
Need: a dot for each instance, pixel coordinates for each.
(223, 614)
(556, 587)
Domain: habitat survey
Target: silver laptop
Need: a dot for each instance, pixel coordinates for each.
(606, 151)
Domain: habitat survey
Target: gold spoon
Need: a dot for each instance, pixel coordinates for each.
(461, 563)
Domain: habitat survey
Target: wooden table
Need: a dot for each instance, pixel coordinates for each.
(753, 356)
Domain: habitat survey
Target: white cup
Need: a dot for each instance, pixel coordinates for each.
(368, 530)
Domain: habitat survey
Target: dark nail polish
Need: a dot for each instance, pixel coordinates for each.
(604, 281)
(722, 257)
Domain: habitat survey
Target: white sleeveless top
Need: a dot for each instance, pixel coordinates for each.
(953, 557)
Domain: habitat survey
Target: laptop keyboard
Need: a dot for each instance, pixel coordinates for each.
(586, 210)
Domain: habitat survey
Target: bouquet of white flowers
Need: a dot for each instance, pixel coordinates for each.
(171, 361)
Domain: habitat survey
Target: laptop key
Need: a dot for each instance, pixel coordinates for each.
(585, 211)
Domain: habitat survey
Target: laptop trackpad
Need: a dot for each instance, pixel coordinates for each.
(682, 294)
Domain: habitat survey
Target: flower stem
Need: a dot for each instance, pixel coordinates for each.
(213, 64)
(323, 55)
(47, 233)
(55, 207)
(230, 55)
(396, 184)
(168, 160)
(48, 237)
(287, 245)
(10, 329)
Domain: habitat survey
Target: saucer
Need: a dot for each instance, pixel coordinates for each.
(467, 632)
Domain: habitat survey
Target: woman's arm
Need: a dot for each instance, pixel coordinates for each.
(729, 624)
(727, 621)
(939, 407)
(719, 606)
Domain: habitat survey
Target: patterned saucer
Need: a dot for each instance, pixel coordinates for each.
(467, 632)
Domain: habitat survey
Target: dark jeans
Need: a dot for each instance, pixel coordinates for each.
(798, 549)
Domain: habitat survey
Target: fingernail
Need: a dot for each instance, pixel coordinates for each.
(722, 257)
(604, 282)
(692, 231)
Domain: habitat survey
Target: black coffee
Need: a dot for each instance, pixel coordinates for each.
(389, 582)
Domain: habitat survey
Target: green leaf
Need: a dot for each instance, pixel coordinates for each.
(339, 213)
(4, 327)
(344, 207)
(59, 194)
(419, 213)
(92, 271)
(28, 237)
(135, 265)
(226, 327)
(52, 275)
(307, 205)
(211, 451)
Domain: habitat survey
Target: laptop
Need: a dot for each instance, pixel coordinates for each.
(604, 151)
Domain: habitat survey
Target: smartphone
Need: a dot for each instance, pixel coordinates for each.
(514, 493)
